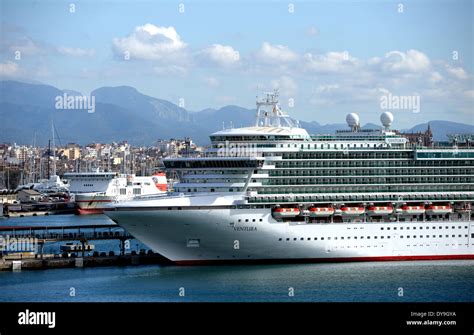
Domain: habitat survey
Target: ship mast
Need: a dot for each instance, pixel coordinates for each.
(276, 116)
(54, 149)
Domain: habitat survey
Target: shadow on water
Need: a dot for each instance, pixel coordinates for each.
(430, 281)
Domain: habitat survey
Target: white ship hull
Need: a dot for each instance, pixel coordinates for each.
(249, 197)
(92, 203)
(94, 192)
(200, 236)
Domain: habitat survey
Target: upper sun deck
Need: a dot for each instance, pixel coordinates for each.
(275, 130)
(261, 133)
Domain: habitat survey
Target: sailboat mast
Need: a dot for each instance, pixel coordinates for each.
(54, 149)
(31, 178)
(49, 156)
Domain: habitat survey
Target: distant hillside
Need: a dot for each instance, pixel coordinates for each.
(123, 113)
(441, 128)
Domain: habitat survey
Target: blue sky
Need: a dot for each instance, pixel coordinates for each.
(329, 58)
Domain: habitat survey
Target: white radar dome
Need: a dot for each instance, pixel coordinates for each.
(352, 120)
(387, 119)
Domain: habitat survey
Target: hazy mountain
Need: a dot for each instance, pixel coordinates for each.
(15, 92)
(129, 98)
(441, 128)
(228, 116)
(123, 113)
(72, 92)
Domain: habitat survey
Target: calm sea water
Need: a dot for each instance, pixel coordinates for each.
(422, 281)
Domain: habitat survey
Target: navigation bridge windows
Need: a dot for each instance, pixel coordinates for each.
(254, 138)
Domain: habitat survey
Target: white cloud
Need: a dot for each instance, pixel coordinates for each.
(457, 72)
(312, 31)
(150, 42)
(26, 46)
(225, 99)
(222, 55)
(326, 88)
(76, 52)
(411, 61)
(170, 69)
(8, 69)
(211, 82)
(330, 62)
(286, 85)
(435, 77)
(344, 94)
(273, 54)
(469, 94)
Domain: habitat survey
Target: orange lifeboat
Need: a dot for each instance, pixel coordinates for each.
(438, 209)
(321, 211)
(159, 178)
(380, 210)
(352, 211)
(412, 210)
(285, 212)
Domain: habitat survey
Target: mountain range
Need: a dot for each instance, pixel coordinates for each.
(123, 113)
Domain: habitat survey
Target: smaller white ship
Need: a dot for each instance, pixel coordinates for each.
(94, 191)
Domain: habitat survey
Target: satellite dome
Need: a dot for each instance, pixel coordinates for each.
(352, 120)
(386, 118)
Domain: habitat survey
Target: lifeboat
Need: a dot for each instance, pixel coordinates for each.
(438, 209)
(412, 210)
(380, 210)
(285, 212)
(320, 211)
(351, 211)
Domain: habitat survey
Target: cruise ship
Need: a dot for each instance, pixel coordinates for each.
(273, 193)
(93, 191)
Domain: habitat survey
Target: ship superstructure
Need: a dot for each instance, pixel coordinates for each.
(272, 192)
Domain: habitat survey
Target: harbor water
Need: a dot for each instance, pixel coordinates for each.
(420, 281)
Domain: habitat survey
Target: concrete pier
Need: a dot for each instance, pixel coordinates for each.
(80, 262)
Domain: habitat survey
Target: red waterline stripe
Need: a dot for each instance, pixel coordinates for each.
(89, 211)
(324, 260)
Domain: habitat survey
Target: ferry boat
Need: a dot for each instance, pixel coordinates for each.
(256, 195)
(94, 191)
